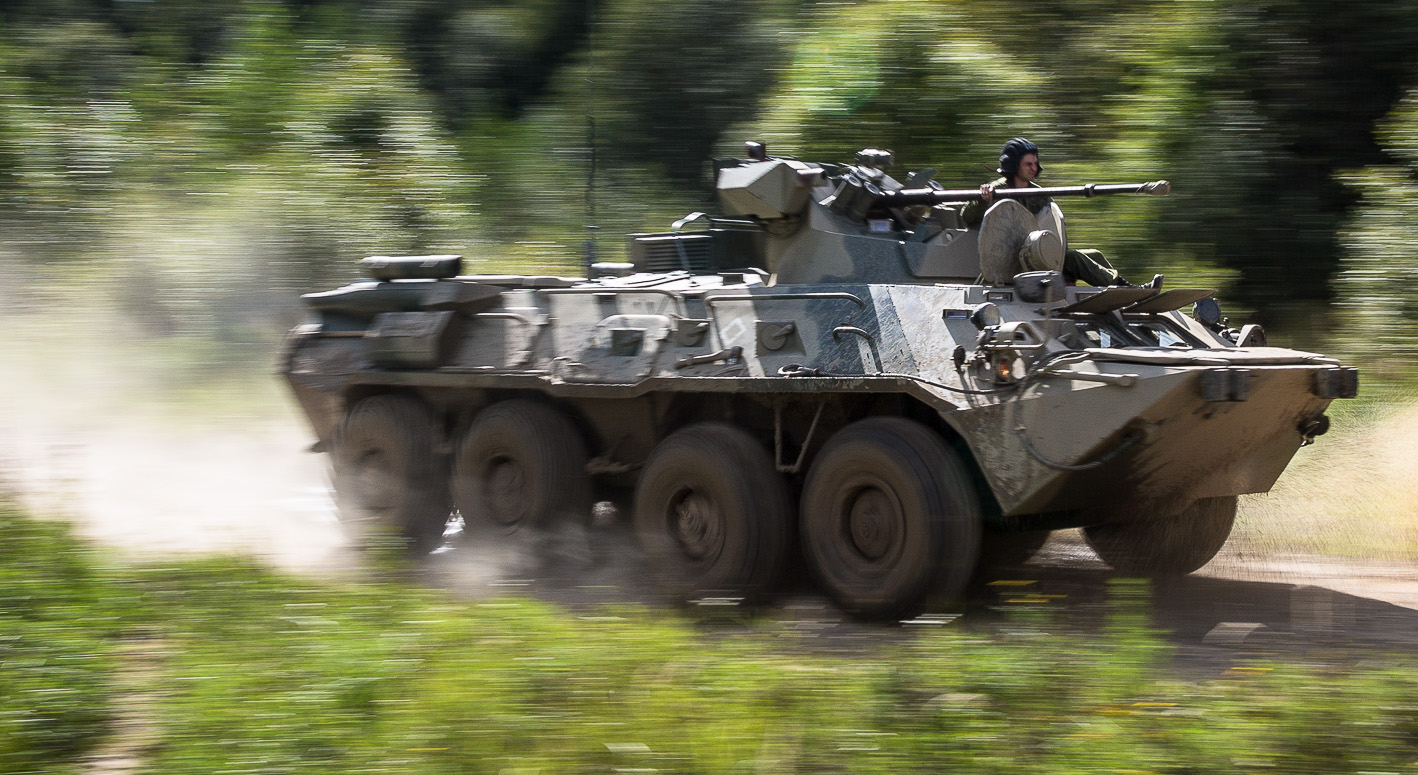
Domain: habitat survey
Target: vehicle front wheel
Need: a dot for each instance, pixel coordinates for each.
(1171, 546)
(389, 480)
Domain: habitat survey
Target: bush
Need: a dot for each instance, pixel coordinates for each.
(56, 647)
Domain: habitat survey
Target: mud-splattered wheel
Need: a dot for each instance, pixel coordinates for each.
(889, 519)
(390, 482)
(1174, 545)
(521, 467)
(712, 515)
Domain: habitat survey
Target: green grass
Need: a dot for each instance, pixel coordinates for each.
(245, 670)
(57, 633)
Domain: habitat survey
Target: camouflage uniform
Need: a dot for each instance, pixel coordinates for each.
(1089, 265)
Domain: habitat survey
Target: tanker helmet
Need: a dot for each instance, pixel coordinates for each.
(1012, 152)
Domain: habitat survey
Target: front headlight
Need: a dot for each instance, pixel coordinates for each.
(1008, 367)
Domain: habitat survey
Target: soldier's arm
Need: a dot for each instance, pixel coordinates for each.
(974, 211)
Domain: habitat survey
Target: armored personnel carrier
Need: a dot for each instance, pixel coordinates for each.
(837, 375)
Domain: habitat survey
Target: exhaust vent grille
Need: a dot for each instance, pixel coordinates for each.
(661, 252)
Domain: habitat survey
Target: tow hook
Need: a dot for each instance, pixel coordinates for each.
(1315, 426)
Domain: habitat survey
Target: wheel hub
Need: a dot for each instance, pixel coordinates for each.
(506, 485)
(873, 524)
(697, 526)
(374, 481)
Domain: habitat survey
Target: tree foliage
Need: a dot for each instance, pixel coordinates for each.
(504, 127)
(1378, 278)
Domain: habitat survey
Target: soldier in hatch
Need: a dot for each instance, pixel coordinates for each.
(1019, 164)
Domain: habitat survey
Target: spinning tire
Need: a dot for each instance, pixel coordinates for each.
(712, 515)
(1172, 546)
(521, 467)
(890, 519)
(389, 480)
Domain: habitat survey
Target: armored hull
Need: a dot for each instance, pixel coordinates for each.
(892, 431)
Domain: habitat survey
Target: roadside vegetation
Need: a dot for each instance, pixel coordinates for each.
(235, 668)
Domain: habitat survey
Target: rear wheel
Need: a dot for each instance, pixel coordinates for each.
(389, 480)
(890, 518)
(521, 466)
(1175, 545)
(712, 515)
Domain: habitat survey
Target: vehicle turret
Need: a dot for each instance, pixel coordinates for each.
(854, 222)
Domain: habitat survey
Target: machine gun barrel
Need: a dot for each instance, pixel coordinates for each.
(927, 196)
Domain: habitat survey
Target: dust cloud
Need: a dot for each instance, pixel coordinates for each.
(1351, 494)
(152, 445)
(1343, 514)
(122, 439)
(157, 486)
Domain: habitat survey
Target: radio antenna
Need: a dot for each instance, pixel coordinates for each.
(591, 227)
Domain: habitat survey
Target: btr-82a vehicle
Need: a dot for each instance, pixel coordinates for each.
(839, 368)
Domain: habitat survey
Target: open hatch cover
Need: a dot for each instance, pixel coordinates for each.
(1170, 300)
(1108, 300)
(1144, 300)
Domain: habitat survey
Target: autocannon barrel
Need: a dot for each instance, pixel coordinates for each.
(927, 196)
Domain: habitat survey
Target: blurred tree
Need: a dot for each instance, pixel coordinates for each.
(1290, 99)
(360, 125)
(903, 77)
(71, 59)
(1378, 284)
(486, 58)
(238, 102)
(184, 32)
(669, 78)
(63, 120)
